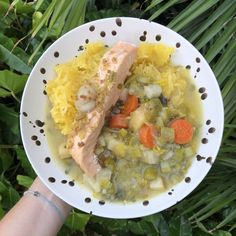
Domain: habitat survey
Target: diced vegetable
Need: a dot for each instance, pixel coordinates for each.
(137, 119)
(150, 173)
(136, 89)
(167, 135)
(152, 91)
(131, 105)
(188, 151)
(168, 155)
(165, 167)
(147, 136)
(123, 132)
(183, 131)
(118, 121)
(134, 152)
(150, 157)
(120, 149)
(157, 184)
(159, 122)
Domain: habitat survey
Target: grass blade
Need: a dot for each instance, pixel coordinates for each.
(163, 9)
(45, 18)
(194, 14)
(215, 28)
(221, 41)
(225, 58)
(186, 12)
(78, 9)
(212, 17)
(153, 4)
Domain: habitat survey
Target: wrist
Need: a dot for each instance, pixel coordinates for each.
(39, 186)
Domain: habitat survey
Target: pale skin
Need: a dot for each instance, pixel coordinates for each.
(33, 217)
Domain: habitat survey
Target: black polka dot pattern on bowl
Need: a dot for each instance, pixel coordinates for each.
(101, 202)
(71, 183)
(211, 130)
(178, 45)
(92, 28)
(146, 202)
(87, 200)
(187, 179)
(113, 32)
(204, 96)
(43, 70)
(51, 179)
(47, 160)
(209, 160)
(119, 22)
(204, 141)
(25, 114)
(158, 37)
(103, 34)
(56, 54)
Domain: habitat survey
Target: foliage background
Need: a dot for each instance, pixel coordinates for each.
(27, 28)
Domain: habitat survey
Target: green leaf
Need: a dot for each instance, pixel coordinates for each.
(222, 233)
(215, 28)
(15, 58)
(77, 221)
(6, 159)
(163, 8)
(142, 227)
(2, 212)
(3, 187)
(180, 227)
(78, 8)
(10, 118)
(192, 11)
(9, 197)
(21, 156)
(23, 7)
(25, 181)
(221, 41)
(159, 223)
(11, 83)
(222, 8)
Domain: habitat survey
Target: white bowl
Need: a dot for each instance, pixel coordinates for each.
(110, 31)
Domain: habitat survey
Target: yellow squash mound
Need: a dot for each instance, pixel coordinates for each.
(157, 54)
(153, 61)
(62, 90)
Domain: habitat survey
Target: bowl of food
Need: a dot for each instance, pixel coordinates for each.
(121, 117)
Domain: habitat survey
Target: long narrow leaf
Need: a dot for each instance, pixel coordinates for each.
(216, 14)
(163, 8)
(222, 40)
(215, 28)
(225, 58)
(186, 12)
(194, 14)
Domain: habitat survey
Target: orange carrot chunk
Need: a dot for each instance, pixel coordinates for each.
(146, 136)
(118, 121)
(131, 104)
(183, 131)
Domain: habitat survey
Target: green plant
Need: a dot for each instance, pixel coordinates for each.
(28, 28)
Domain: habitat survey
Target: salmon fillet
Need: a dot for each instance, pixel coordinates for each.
(112, 71)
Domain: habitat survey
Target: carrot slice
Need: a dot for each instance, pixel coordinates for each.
(183, 131)
(146, 136)
(118, 121)
(131, 104)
